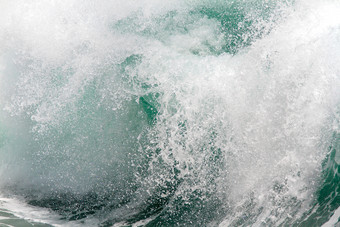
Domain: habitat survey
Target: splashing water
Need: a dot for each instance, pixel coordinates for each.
(177, 113)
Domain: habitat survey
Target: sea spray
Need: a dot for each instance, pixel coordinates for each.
(173, 113)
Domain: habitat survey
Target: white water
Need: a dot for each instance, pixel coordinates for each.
(334, 221)
(272, 107)
(21, 210)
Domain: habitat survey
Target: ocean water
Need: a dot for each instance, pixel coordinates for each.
(170, 113)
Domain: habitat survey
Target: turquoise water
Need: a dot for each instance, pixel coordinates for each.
(172, 113)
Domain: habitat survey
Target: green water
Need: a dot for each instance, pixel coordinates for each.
(182, 113)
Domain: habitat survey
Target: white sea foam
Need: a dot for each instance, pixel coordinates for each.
(22, 210)
(71, 86)
(334, 221)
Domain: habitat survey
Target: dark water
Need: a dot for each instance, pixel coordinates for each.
(171, 113)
